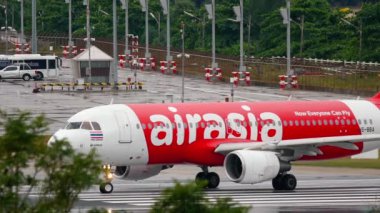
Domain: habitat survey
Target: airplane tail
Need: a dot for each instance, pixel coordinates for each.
(376, 99)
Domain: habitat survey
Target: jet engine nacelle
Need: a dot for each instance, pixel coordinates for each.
(137, 172)
(247, 166)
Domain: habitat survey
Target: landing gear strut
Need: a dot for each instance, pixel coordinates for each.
(106, 187)
(212, 178)
(284, 182)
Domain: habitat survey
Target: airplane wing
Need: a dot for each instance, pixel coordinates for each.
(346, 142)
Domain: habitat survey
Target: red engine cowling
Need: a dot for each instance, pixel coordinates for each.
(137, 172)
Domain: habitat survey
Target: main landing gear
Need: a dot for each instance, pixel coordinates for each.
(212, 178)
(284, 182)
(106, 187)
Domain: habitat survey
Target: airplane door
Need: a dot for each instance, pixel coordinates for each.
(125, 128)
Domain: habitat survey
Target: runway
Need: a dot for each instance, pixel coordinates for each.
(346, 199)
(318, 190)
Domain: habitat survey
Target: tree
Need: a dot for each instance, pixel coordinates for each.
(56, 172)
(191, 198)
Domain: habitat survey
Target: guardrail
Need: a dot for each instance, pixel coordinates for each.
(87, 86)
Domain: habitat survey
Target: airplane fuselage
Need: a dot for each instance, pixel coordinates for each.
(189, 133)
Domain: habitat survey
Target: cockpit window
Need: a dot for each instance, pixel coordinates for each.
(96, 125)
(83, 125)
(73, 125)
(86, 125)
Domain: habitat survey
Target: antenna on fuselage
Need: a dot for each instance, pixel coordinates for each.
(290, 97)
(111, 102)
(358, 98)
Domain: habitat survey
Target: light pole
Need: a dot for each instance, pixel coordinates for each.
(34, 28)
(285, 13)
(183, 61)
(360, 30)
(203, 23)
(239, 18)
(166, 10)
(70, 34)
(88, 39)
(22, 25)
(211, 15)
(145, 8)
(183, 55)
(115, 59)
(125, 7)
(158, 20)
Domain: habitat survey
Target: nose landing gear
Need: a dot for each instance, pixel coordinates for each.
(106, 187)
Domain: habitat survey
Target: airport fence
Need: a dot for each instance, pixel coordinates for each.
(350, 77)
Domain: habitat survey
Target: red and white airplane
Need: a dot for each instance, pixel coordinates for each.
(253, 141)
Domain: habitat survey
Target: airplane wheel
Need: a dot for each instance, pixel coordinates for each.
(276, 182)
(289, 182)
(213, 180)
(201, 177)
(106, 188)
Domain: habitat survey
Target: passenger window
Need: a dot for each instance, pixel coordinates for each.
(290, 123)
(325, 122)
(348, 122)
(314, 123)
(220, 124)
(342, 122)
(302, 123)
(86, 125)
(285, 123)
(149, 126)
(279, 123)
(143, 126)
(360, 122)
(138, 126)
(365, 121)
(331, 122)
(179, 126)
(203, 125)
(95, 125)
(191, 125)
(297, 123)
(336, 122)
(185, 125)
(244, 123)
(319, 122)
(308, 123)
(353, 122)
(173, 125)
(262, 123)
(370, 121)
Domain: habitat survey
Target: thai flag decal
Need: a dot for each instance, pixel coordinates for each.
(96, 135)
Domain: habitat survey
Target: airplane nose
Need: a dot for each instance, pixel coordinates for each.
(76, 138)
